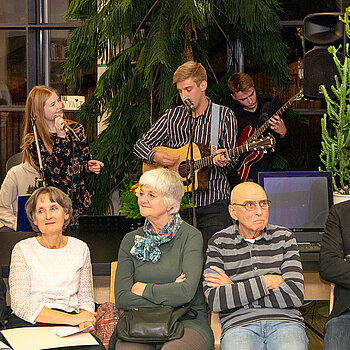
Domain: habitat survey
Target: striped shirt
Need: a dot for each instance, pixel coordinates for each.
(173, 130)
(248, 299)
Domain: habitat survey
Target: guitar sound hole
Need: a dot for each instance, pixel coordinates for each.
(184, 169)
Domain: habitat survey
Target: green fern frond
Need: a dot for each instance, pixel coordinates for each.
(81, 9)
(142, 43)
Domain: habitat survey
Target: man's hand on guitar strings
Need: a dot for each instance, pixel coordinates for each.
(220, 158)
(165, 158)
(277, 125)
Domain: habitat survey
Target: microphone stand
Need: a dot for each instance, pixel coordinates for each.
(192, 174)
(39, 182)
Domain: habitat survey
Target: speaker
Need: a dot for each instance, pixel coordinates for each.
(321, 30)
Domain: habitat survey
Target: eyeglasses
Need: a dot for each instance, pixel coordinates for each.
(252, 205)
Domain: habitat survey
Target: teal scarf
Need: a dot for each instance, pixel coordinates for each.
(146, 247)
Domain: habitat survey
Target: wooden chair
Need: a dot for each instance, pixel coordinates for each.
(331, 298)
(112, 280)
(215, 325)
(315, 288)
(214, 316)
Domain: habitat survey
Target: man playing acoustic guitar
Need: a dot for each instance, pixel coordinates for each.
(173, 130)
(251, 113)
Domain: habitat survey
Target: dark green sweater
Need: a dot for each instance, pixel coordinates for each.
(183, 254)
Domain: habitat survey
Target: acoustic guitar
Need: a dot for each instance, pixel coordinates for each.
(249, 134)
(203, 160)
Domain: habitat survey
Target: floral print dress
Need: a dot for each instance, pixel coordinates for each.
(67, 169)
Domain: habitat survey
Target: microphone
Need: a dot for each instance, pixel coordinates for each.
(63, 125)
(187, 102)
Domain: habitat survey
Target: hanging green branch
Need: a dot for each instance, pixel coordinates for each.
(142, 43)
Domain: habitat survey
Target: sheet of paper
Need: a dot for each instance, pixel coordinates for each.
(43, 338)
(4, 346)
(66, 331)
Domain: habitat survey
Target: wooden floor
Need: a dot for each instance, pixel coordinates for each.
(315, 314)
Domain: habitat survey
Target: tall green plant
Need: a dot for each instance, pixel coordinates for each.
(335, 152)
(142, 43)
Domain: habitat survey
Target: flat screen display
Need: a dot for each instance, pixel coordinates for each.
(299, 200)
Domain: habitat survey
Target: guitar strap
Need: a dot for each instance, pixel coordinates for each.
(214, 132)
(265, 111)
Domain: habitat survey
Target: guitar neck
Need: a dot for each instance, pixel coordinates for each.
(266, 125)
(208, 161)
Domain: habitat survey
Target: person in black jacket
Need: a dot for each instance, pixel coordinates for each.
(252, 112)
(2, 302)
(335, 268)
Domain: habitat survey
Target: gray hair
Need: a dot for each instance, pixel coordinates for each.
(55, 195)
(166, 182)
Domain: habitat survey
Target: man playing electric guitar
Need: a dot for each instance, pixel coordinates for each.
(251, 113)
(173, 130)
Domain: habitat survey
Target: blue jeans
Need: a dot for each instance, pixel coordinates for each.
(337, 335)
(266, 335)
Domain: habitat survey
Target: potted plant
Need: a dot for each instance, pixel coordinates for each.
(129, 193)
(335, 124)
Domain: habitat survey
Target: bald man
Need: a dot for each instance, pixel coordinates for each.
(253, 278)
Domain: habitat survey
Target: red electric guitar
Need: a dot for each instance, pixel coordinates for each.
(249, 134)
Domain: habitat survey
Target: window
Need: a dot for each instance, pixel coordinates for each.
(33, 35)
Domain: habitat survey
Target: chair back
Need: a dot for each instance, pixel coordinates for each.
(215, 325)
(112, 281)
(331, 298)
(13, 160)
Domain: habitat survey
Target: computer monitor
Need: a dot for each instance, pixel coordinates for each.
(300, 200)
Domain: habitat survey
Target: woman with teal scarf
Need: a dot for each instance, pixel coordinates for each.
(161, 263)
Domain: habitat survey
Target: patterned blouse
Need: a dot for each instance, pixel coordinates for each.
(67, 169)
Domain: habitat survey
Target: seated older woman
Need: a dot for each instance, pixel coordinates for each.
(161, 263)
(50, 274)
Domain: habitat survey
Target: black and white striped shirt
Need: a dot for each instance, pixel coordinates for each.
(248, 299)
(173, 130)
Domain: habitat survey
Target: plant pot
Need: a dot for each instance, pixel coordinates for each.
(338, 197)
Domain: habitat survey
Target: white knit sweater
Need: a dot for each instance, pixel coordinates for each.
(55, 278)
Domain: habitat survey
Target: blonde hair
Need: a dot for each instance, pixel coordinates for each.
(35, 103)
(190, 69)
(240, 82)
(168, 183)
